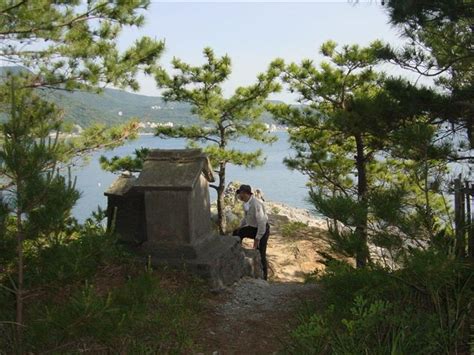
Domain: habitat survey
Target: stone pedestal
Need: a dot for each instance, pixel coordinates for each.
(220, 261)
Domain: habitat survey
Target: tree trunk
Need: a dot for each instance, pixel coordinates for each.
(459, 218)
(19, 286)
(361, 229)
(221, 220)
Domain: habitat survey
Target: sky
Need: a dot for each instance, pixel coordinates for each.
(255, 33)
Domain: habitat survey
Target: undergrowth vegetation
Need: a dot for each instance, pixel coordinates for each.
(85, 292)
(422, 308)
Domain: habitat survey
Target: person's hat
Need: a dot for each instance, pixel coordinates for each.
(244, 188)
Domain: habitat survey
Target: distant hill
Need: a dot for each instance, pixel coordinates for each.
(116, 106)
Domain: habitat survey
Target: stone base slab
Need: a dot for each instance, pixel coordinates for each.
(221, 261)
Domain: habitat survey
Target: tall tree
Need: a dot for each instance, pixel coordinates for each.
(71, 45)
(440, 34)
(441, 45)
(39, 197)
(63, 45)
(224, 120)
(345, 135)
(335, 142)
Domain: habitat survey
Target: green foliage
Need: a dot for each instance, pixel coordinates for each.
(50, 218)
(293, 230)
(339, 134)
(37, 200)
(443, 27)
(90, 293)
(422, 308)
(99, 136)
(341, 208)
(125, 163)
(371, 327)
(120, 321)
(68, 46)
(72, 46)
(310, 337)
(224, 120)
(377, 168)
(28, 161)
(76, 256)
(439, 45)
(31, 153)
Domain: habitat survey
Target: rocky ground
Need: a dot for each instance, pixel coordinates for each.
(255, 316)
(296, 237)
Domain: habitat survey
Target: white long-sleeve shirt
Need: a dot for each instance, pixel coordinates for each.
(255, 216)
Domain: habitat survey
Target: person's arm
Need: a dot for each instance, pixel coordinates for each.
(261, 223)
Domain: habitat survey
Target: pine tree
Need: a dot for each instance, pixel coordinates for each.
(224, 120)
(441, 37)
(354, 136)
(334, 142)
(37, 195)
(64, 45)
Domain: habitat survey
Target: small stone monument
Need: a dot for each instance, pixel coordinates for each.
(165, 214)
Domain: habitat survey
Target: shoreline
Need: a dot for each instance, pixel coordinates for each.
(293, 214)
(140, 134)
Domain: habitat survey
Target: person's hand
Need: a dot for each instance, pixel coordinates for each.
(255, 243)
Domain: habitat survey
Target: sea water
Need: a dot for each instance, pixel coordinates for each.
(277, 182)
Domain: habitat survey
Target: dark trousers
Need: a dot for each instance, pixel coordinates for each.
(251, 232)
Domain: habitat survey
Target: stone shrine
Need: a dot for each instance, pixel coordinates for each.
(164, 214)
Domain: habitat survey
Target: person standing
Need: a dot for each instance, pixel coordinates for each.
(254, 224)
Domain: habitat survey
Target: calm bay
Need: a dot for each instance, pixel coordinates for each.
(277, 182)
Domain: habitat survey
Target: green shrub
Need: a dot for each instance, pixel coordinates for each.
(293, 230)
(74, 305)
(141, 314)
(311, 336)
(420, 309)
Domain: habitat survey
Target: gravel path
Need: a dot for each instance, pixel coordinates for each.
(253, 317)
(251, 294)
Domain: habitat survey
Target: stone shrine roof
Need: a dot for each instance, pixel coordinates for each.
(174, 169)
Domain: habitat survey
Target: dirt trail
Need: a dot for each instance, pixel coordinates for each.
(255, 316)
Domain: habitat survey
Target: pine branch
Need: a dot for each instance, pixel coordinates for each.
(86, 16)
(4, 11)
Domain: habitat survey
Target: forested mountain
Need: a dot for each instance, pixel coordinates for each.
(116, 106)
